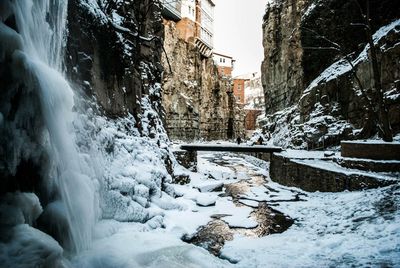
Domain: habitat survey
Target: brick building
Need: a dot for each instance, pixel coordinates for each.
(250, 120)
(239, 87)
(195, 21)
(224, 64)
(254, 100)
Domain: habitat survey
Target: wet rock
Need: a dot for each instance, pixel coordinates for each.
(188, 159)
(115, 67)
(181, 179)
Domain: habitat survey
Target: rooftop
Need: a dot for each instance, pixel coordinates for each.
(219, 54)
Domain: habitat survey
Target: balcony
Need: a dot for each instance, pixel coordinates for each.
(171, 9)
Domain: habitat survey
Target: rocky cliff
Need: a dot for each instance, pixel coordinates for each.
(199, 104)
(317, 94)
(282, 72)
(114, 51)
(81, 138)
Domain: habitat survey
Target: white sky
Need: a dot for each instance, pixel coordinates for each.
(238, 32)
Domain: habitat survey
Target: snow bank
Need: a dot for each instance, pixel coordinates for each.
(132, 248)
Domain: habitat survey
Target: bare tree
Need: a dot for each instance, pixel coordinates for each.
(377, 118)
(384, 127)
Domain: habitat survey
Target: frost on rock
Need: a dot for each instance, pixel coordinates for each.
(322, 129)
(18, 208)
(206, 200)
(19, 242)
(29, 247)
(130, 159)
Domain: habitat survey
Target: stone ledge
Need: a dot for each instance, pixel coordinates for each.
(302, 174)
(371, 150)
(369, 165)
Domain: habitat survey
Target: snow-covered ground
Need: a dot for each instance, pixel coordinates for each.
(359, 229)
(330, 229)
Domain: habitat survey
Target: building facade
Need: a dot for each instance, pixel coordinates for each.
(238, 88)
(195, 21)
(224, 64)
(172, 9)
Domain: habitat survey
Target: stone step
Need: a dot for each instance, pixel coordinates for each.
(324, 174)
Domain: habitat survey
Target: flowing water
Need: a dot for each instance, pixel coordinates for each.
(41, 25)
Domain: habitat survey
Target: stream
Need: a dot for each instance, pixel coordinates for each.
(245, 179)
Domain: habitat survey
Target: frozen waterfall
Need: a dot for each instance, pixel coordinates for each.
(41, 26)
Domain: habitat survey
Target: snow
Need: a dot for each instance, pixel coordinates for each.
(304, 154)
(341, 230)
(249, 203)
(309, 10)
(330, 166)
(116, 183)
(393, 94)
(93, 7)
(371, 141)
(241, 219)
(132, 247)
(128, 184)
(209, 186)
(206, 200)
(331, 229)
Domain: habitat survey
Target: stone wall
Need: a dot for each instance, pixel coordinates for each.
(311, 178)
(198, 102)
(365, 150)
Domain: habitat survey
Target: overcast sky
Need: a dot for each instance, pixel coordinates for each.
(238, 32)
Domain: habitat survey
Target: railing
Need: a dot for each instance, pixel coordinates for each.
(172, 9)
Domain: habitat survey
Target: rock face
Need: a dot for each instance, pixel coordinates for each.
(114, 52)
(282, 72)
(51, 138)
(197, 101)
(310, 89)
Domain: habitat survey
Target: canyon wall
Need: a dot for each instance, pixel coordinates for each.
(310, 86)
(114, 52)
(198, 102)
(282, 73)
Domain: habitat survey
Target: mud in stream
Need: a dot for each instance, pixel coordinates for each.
(214, 235)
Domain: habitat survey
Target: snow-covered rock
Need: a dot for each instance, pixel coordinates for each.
(209, 186)
(205, 200)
